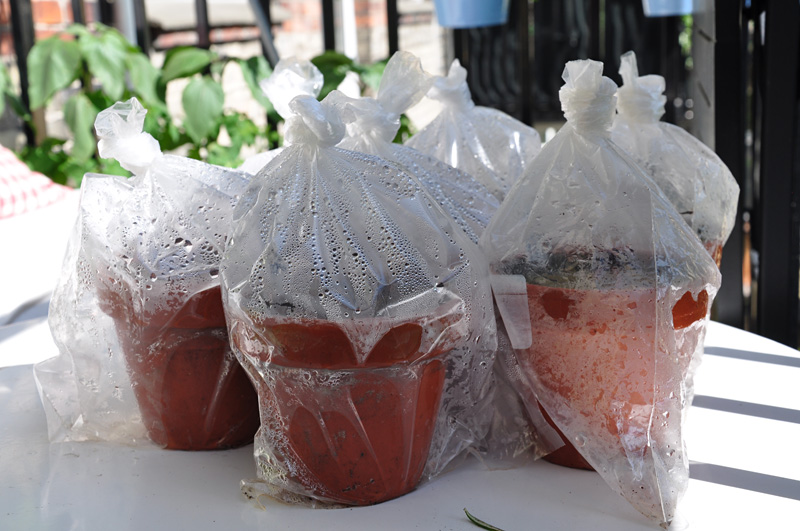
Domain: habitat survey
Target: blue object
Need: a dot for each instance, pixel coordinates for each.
(667, 8)
(471, 13)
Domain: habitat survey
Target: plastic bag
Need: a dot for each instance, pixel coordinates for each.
(291, 77)
(363, 316)
(617, 289)
(692, 176)
(373, 123)
(137, 314)
(488, 144)
(698, 184)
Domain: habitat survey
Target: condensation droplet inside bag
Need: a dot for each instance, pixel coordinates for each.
(143, 282)
(370, 261)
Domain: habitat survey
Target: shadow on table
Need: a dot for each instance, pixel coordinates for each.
(775, 359)
(747, 408)
(744, 479)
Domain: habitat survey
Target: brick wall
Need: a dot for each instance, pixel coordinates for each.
(49, 17)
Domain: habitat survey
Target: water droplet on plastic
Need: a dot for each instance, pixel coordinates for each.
(580, 440)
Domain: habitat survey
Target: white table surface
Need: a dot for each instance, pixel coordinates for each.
(743, 436)
(32, 247)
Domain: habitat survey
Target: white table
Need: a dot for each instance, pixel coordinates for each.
(743, 435)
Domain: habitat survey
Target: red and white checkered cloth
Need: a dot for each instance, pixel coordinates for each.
(23, 190)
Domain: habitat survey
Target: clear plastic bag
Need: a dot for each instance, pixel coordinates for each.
(363, 316)
(291, 77)
(373, 123)
(699, 185)
(695, 180)
(488, 144)
(617, 288)
(137, 313)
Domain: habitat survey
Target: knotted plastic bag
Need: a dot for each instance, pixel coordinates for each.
(695, 180)
(291, 77)
(373, 123)
(137, 314)
(488, 144)
(699, 185)
(362, 314)
(617, 288)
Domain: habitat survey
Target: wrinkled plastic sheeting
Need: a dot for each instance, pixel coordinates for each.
(347, 249)
(291, 77)
(153, 241)
(373, 123)
(605, 259)
(695, 180)
(488, 144)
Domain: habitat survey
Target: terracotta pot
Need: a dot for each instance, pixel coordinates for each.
(594, 353)
(192, 393)
(354, 426)
(715, 250)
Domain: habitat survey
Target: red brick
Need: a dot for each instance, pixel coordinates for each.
(6, 44)
(5, 12)
(44, 33)
(46, 12)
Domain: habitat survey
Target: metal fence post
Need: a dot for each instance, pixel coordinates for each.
(328, 29)
(23, 34)
(203, 31)
(778, 213)
(392, 26)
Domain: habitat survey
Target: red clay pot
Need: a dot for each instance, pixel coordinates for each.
(357, 429)
(192, 393)
(594, 350)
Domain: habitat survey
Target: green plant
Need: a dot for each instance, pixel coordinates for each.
(96, 66)
(335, 66)
(108, 69)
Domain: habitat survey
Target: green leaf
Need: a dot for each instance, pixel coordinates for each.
(79, 113)
(372, 74)
(105, 57)
(144, 78)
(53, 65)
(334, 67)
(159, 124)
(203, 99)
(114, 35)
(216, 68)
(100, 100)
(185, 61)
(78, 30)
(406, 130)
(73, 170)
(241, 129)
(254, 70)
(46, 158)
(5, 83)
(16, 103)
(112, 167)
(481, 523)
(194, 153)
(227, 156)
